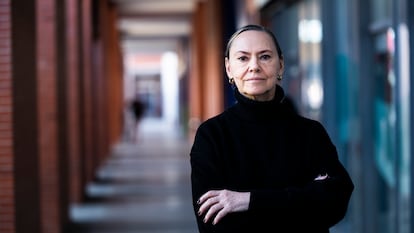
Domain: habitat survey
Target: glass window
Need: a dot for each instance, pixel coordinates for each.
(385, 118)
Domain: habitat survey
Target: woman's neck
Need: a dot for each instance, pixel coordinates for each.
(267, 96)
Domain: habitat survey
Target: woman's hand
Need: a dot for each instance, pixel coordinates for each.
(219, 203)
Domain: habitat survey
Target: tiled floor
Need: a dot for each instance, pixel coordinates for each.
(143, 187)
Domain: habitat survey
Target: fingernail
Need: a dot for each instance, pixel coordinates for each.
(199, 213)
(205, 220)
(198, 201)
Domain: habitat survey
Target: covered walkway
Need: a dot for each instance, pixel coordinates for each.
(69, 68)
(142, 187)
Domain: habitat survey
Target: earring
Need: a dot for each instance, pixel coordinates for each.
(231, 81)
(279, 77)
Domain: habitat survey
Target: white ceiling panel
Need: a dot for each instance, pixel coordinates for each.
(155, 6)
(153, 28)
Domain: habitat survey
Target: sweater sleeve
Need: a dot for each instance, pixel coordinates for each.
(318, 203)
(205, 173)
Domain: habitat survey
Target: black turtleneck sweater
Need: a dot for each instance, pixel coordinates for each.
(267, 149)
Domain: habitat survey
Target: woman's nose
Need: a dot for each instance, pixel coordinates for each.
(254, 65)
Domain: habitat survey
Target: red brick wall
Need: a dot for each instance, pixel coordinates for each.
(54, 124)
(69, 154)
(196, 107)
(213, 101)
(73, 104)
(61, 72)
(107, 83)
(103, 82)
(206, 79)
(47, 116)
(114, 76)
(7, 220)
(89, 115)
(86, 91)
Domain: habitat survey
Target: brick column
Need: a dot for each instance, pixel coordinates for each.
(35, 116)
(113, 64)
(86, 93)
(7, 201)
(70, 163)
(196, 70)
(104, 82)
(107, 81)
(84, 37)
(206, 79)
(47, 115)
(25, 144)
(212, 82)
(94, 86)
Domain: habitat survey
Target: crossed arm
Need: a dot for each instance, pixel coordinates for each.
(216, 204)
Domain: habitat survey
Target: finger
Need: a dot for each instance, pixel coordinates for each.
(207, 204)
(212, 211)
(206, 196)
(223, 212)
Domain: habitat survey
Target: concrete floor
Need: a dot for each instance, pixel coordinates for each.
(143, 187)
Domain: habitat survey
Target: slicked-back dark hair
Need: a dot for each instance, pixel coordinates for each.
(253, 27)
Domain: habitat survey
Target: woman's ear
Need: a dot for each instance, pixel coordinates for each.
(281, 65)
(227, 64)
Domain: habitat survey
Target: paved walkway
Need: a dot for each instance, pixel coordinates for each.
(143, 187)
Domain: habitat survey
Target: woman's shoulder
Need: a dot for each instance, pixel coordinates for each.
(307, 120)
(308, 123)
(216, 121)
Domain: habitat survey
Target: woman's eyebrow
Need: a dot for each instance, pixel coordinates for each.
(260, 52)
(266, 51)
(242, 51)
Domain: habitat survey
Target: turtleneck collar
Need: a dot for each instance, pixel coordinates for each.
(253, 110)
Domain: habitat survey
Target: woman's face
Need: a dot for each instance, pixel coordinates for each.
(254, 64)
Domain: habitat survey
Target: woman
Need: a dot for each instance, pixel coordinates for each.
(259, 166)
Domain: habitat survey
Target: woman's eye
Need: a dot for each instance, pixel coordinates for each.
(242, 58)
(265, 57)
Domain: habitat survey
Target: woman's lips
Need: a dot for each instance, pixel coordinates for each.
(254, 79)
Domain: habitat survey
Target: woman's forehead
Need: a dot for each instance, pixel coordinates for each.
(253, 40)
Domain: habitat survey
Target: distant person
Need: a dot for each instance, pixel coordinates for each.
(138, 109)
(259, 166)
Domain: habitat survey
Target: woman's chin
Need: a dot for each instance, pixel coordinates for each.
(258, 95)
(255, 91)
